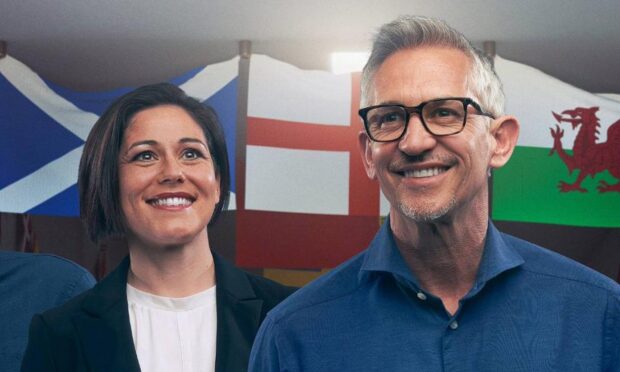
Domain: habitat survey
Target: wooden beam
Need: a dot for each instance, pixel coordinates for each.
(3, 48)
(245, 52)
(245, 49)
(489, 49)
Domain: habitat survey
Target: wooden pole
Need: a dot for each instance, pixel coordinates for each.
(3, 48)
(245, 52)
(245, 48)
(489, 49)
(243, 82)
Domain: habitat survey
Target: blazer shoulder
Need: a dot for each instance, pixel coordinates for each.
(242, 285)
(271, 292)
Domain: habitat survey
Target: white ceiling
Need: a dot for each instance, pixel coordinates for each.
(103, 44)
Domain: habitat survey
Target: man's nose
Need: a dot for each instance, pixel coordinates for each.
(416, 139)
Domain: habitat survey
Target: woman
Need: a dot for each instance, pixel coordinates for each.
(155, 170)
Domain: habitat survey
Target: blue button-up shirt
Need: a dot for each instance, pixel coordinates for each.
(529, 310)
(31, 284)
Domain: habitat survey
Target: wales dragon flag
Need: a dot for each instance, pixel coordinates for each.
(561, 188)
(566, 167)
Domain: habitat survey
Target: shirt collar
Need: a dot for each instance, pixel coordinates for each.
(497, 257)
(383, 256)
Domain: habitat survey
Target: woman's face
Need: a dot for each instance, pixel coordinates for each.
(168, 186)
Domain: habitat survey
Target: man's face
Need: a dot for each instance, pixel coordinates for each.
(425, 177)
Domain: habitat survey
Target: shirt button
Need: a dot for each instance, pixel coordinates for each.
(454, 325)
(421, 296)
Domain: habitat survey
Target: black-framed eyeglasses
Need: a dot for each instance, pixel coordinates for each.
(440, 117)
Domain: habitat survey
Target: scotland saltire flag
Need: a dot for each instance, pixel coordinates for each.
(43, 128)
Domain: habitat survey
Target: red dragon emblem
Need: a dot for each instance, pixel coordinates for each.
(588, 156)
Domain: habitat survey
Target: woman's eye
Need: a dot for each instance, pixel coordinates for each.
(144, 156)
(192, 154)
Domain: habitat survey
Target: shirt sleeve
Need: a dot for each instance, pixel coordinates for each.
(265, 355)
(612, 333)
(79, 284)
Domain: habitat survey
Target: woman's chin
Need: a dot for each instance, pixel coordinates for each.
(169, 239)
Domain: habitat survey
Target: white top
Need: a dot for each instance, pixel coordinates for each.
(173, 334)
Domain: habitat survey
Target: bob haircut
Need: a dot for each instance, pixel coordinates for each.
(98, 181)
(410, 32)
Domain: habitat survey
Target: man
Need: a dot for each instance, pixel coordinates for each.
(31, 284)
(439, 288)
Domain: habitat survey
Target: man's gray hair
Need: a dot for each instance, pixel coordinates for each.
(408, 32)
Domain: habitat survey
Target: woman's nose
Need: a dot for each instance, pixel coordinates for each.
(172, 172)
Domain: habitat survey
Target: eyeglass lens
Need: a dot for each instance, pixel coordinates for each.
(441, 117)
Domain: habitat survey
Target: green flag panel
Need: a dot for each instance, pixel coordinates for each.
(526, 190)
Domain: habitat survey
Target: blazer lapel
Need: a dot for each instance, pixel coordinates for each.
(104, 328)
(238, 317)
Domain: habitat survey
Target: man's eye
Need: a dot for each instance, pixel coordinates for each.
(391, 117)
(443, 112)
(386, 118)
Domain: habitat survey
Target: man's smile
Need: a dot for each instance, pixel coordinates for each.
(421, 168)
(426, 172)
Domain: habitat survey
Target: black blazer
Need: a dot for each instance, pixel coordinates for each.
(92, 331)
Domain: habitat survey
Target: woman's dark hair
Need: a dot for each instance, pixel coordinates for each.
(98, 181)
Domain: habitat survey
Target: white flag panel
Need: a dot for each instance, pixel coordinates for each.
(532, 95)
(281, 91)
(297, 181)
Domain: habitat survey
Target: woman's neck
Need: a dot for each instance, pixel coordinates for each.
(172, 271)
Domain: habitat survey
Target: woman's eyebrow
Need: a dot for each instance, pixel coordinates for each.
(139, 143)
(192, 140)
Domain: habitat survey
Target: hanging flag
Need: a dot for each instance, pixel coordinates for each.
(560, 188)
(566, 167)
(308, 202)
(43, 128)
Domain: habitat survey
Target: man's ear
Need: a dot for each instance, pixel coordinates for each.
(505, 132)
(366, 153)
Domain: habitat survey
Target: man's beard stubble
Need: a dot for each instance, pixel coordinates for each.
(422, 214)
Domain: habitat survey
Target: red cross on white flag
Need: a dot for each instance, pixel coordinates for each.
(305, 187)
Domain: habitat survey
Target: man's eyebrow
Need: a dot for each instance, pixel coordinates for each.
(390, 103)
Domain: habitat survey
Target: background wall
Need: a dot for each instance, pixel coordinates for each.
(90, 45)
